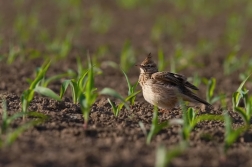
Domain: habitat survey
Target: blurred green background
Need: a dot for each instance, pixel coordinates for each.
(180, 34)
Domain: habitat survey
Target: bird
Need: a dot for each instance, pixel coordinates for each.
(165, 89)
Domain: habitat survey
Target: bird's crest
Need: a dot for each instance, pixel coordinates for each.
(147, 60)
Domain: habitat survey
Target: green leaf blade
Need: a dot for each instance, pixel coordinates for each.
(64, 87)
(47, 92)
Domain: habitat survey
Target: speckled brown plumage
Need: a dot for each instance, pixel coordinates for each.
(165, 89)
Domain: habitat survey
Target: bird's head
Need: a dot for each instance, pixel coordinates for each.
(148, 66)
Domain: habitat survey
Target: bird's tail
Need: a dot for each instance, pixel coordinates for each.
(200, 100)
(194, 98)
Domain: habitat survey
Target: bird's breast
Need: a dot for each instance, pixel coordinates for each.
(149, 95)
(163, 96)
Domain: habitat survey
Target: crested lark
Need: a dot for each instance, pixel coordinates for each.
(165, 89)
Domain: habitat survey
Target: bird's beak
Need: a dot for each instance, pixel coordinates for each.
(142, 69)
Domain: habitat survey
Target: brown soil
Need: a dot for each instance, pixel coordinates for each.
(110, 141)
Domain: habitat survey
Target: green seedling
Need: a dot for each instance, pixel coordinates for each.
(234, 29)
(206, 9)
(9, 135)
(190, 120)
(79, 83)
(165, 156)
(102, 51)
(82, 69)
(158, 29)
(124, 101)
(248, 69)
(43, 36)
(141, 125)
(45, 81)
(133, 4)
(242, 93)
(71, 15)
(101, 20)
(77, 86)
(14, 52)
(195, 79)
(89, 97)
(234, 61)
(161, 60)
(248, 9)
(60, 47)
(231, 135)
(182, 57)
(83, 90)
(210, 90)
(155, 126)
(239, 93)
(66, 4)
(28, 94)
(109, 63)
(115, 108)
(211, 84)
(205, 46)
(26, 25)
(21, 53)
(131, 90)
(246, 112)
(128, 4)
(68, 22)
(166, 26)
(231, 63)
(127, 58)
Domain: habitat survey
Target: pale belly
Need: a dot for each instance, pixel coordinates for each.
(161, 100)
(149, 95)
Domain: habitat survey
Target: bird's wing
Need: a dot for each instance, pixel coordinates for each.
(180, 81)
(173, 78)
